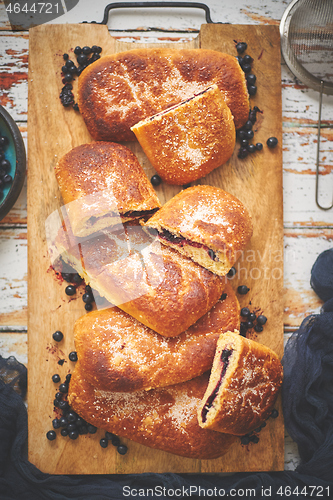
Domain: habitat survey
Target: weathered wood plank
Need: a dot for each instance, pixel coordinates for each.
(13, 277)
(14, 344)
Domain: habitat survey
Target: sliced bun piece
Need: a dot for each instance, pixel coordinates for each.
(243, 386)
(189, 140)
(102, 184)
(206, 224)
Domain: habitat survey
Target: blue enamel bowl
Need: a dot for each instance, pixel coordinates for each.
(14, 152)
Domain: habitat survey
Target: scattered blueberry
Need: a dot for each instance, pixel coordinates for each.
(245, 312)
(65, 57)
(122, 449)
(258, 328)
(56, 423)
(241, 47)
(77, 50)
(156, 180)
(73, 434)
(231, 273)
(58, 336)
(92, 429)
(56, 378)
(70, 290)
(259, 146)
(261, 319)
(274, 413)
(251, 79)
(72, 356)
(63, 388)
(252, 89)
(104, 443)
(51, 435)
(88, 307)
(243, 289)
(245, 439)
(272, 142)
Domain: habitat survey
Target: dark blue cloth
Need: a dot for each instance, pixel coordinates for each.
(308, 412)
(322, 275)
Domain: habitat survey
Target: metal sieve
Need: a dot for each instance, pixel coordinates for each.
(306, 31)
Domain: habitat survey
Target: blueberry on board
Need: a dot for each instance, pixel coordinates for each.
(56, 378)
(58, 336)
(251, 78)
(51, 435)
(248, 125)
(88, 307)
(251, 148)
(73, 434)
(245, 439)
(122, 449)
(241, 47)
(115, 441)
(259, 146)
(252, 316)
(231, 273)
(87, 298)
(246, 68)
(245, 311)
(72, 356)
(104, 443)
(261, 319)
(70, 290)
(156, 180)
(55, 423)
(247, 59)
(272, 142)
(258, 328)
(64, 432)
(252, 89)
(274, 413)
(86, 50)
(92, 429)
(242, 289)
(77, 50)
(81, 59)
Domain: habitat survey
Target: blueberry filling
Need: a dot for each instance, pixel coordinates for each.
(225, 356)
(181, 241)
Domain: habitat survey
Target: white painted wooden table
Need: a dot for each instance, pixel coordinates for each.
(307, 230)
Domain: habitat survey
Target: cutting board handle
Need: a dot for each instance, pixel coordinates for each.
(135, 5)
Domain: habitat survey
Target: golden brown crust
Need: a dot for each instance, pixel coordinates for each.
(207, 216)
(186, 142)
(118, 353)
(153, 283)
(244, 397)
(119, 90)
(101, 181)
(161, 418)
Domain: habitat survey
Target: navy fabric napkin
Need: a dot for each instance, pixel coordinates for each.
(307, 394)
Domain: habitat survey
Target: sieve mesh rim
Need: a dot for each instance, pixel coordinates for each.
(295, 67)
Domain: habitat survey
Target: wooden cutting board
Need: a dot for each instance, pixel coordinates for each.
(256, 181)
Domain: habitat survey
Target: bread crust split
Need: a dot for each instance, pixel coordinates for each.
(117, 353)
(244, 383)
(163, 418)
(119, 90)
(153, 283)
(189, 140)
(102, 184)
(206, 224)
